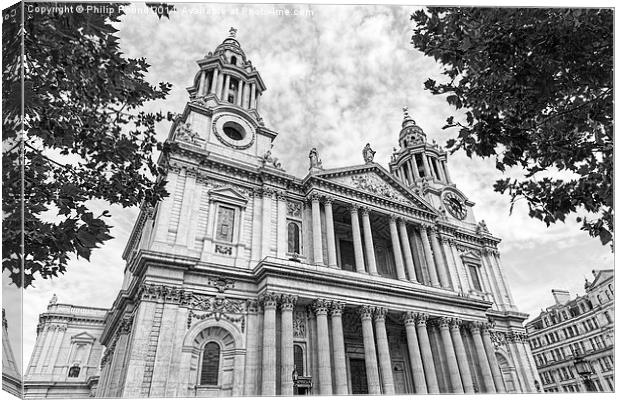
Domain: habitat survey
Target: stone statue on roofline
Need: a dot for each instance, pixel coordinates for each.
(315, 161)
(368, 153)
(53, 300)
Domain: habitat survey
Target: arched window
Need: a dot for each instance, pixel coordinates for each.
(210, 364)
(294, 238)
(233, 60)
(298, 359)
(598, 297)
(608, 295)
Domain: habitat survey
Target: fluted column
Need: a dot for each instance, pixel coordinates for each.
(398, 257)
(445, 170)
(428, 255)
(320, 308)
(330, 235)
(370, 353)
(427, 356)
(444, 280)
(415, 357)
(414, 168)
(368, 243)
(281, 229)
(490, 352)
(287, 364)
(214, 81)
(252, 95)
(220, 86)
(226, 87)
(427, 170)
(357, 240)
(385, 361)
(487, 376)
(317, 239)
(270, 302)
(453, 368)
(340, 363)
(461, 356)
(404, 237)
(452, 268)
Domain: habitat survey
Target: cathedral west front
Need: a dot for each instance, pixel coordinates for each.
(249, 281)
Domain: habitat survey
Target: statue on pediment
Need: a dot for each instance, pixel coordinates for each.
(482, 227)
(368, 153)
(186, 133)
(315, 161)
(267, 159)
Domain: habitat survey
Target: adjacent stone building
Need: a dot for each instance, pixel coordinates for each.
(67, 353)
(573, 329)
(11, 377)
(247, 280)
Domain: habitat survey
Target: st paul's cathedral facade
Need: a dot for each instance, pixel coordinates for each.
(249, 281)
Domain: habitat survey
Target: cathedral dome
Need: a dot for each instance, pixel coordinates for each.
(410, 133)
(231, 44)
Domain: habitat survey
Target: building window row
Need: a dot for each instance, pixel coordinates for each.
(606, 363)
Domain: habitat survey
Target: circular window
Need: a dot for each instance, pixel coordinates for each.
(234, 131)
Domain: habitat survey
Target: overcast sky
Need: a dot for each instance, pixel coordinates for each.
(336, 79)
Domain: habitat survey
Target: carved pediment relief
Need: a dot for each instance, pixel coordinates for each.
(372, 183)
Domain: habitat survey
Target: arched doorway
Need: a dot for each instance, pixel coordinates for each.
(509, 374)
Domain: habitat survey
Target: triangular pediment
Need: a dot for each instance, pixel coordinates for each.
(601, 276)
(83, 337)
(374, 179)
(228, 194)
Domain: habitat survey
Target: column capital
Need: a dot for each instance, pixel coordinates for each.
(125, 326)
(366, 312)
(380, 313)
(421, 319)
(444, 322)
(365, 211)
(281, 195)
(314, 197)
(476, 327)
(269, 300)
(353, 208)
(328, 200)
(409, 318)
(455, 324)
(394, 218)
(287, 302)
(253, 306)
(320, 306)
(337, 307)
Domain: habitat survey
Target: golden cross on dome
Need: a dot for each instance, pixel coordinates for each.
(406, 111)
(232, 32)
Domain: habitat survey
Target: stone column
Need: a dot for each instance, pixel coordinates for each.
(329, 232)
(340, 364)
(240, 94)
(357, 241)
(454, 275)
(251, 360)
(487, 376)
(398, 257)
(453, 368)
(287, 364)
(414, 168)
(220, 86)
(368, 243)
(460, 268)
(370, 354)
(461, 356)
(253, 95)
(214, 80)
(320, 307)
(270, 302)
(428, 255)
(439, 260)
(257, 228)
(226, 88)
(427, 170)
(281, 230)
(201, 85)
(404, 237)
(490, 352)
(415, 357)
(442, 177)
(317, 237)
(501, 276)
(385, 361)
(427, 355)
(493, 284)
(408, 173)
(266, 225)
(418, 260)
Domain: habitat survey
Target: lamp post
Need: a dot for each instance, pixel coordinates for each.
(584, 369)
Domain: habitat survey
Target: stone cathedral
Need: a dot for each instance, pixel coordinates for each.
(249, 281)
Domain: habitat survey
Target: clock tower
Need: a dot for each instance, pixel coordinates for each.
(423, 168)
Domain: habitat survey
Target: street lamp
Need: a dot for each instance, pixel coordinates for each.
(584, 369)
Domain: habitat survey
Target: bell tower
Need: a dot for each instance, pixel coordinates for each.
(221, 115)
(417, 160)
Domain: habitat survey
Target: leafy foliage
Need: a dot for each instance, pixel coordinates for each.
(85, 136)
(536, 86)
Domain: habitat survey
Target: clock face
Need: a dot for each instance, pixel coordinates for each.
(455, 205)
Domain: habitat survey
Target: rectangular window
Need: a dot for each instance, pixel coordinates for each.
(475, 278)
(225, 224)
